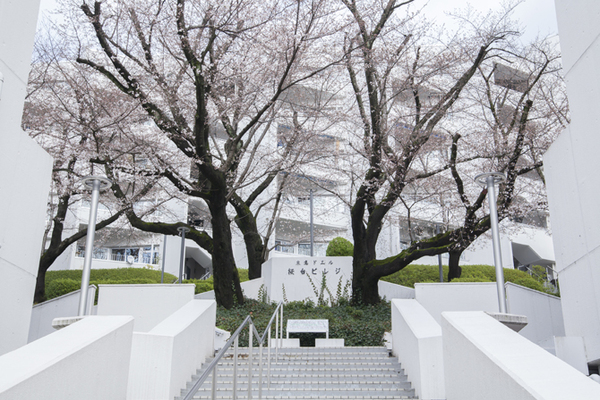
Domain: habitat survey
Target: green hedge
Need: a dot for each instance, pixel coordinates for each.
(59, 283)
(58, 287)
(207, 285)
(470, 273)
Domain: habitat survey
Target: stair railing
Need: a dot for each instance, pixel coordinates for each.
(277, 317)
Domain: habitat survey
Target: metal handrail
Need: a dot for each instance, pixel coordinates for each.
(253, 333)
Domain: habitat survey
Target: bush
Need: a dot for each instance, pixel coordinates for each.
(66, 281)
(62, 286)
(201, 285)
(339, 247)
(412, 274)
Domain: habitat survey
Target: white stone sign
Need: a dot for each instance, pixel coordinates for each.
(307, 326)
(297, 278)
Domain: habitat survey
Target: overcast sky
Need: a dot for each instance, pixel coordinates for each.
(537, 16)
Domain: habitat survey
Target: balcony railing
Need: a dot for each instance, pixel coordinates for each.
(130, 259)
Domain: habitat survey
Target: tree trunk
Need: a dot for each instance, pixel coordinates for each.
(364, 283)
(454, 270)
(253, 241)
(226, 279)
(40, 286)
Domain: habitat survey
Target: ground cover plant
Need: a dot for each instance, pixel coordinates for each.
(362, 325)
(59, 283)
(470, 273)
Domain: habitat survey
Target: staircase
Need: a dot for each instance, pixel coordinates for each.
(313, 373)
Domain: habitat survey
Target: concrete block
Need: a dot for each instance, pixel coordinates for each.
(285, 343)
(329, 343)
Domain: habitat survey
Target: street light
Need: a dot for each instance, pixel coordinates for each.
(96, 183)
(183, 230)
(312, 234)
(441, 268)
(489, 180)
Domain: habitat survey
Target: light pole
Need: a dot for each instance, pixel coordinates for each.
(183, 230)
(96, 183)
(312, 232)
(437, 232)
(164, 254)
(489, 180)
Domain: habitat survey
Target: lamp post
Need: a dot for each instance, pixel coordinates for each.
(164, 254)
(312, 232)
(489, 180)
(183, 230)
(96, 183)
(441, 268)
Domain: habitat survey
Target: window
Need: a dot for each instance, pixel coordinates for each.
(86, 204)
(284, 247)
(304, 249)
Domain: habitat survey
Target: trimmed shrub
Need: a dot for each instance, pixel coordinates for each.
(339, 247)
(201, 285)
(243, 273)
(414, 273)
(59, 287)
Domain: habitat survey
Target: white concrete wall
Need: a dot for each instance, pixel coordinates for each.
(417, 342)
(483, 359)
(390, 291)
(251, 287)
(148, 304)
(463, 296)
(543, 311)
(86, 360)
(292, 273)
(164, 359)
(66, 305)
(480, 252)
(571, 166)
(24, 177)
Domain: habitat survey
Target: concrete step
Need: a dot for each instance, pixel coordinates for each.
(372, 378)
(310, 394)
(308, 386)
(312, 373)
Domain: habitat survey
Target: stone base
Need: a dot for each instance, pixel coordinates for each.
(63, 322)
(285, 343)
(329, 343)
(514, 322)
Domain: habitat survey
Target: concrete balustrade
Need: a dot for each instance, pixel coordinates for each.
(164, 359)
(64, 306)
(86, 360)
(483, 359)
(417, 342)
(391, 291)
(148, 304)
